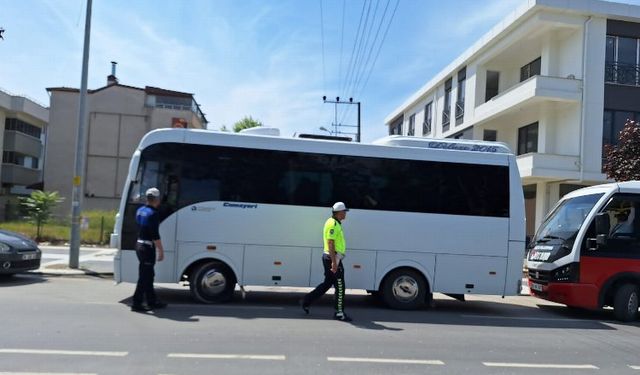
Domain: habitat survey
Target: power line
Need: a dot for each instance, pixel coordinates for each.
(373, 44)
(344, 5)
(359, 90)
(357, 55)
(384, 37)
(353, 50)
(359, 41)
(363, 46)
(359, 67)
(324, 80)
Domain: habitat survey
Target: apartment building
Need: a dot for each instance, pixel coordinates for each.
(22, 140)
(119, 116)
(555, 80)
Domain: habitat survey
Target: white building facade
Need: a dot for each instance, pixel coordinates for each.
(119, 116)
(555, 80)
(22, 141)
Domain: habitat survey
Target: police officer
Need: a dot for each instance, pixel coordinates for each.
(334, 251)
(146, 245)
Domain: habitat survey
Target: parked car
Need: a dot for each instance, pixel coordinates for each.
(18, 253)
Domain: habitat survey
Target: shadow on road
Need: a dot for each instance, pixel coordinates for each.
(21, 279)
(368, 313)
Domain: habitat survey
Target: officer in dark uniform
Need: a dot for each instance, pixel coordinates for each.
(146, 245)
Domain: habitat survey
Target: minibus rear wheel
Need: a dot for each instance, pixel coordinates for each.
(625, 303)
(212, 282)
(404, 289)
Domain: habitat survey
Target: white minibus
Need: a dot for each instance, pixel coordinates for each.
(425, 215)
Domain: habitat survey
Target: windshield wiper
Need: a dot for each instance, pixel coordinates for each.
(549, 237)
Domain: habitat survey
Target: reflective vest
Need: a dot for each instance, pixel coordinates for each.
(333, 231)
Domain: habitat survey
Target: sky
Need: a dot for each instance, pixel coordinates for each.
(272, 60)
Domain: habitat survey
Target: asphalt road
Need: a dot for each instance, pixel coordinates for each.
(84, 325)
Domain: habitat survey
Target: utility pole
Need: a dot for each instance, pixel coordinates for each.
(76, 199)
(336, 125)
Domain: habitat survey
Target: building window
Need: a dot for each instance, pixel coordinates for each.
(22, 127)
(10, 157)
(613, 123)
(396, 126)
(412, 125)
(446, 111)
(428, 118)
(493, 80)
(528, 139)
(530, 70)
(621, 61)
(490, 135)
(462, 76)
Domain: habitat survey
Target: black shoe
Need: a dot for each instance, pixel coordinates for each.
(157, 305)
(304, 306)
(342, 317)
(140, 308)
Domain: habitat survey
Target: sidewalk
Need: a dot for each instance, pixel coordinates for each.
(93, 261)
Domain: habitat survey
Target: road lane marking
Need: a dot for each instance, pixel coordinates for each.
(634, 367)
(526, 318)
(540, 365)
(63, 352)
(386, 360)
(228, 356)
(46, 373)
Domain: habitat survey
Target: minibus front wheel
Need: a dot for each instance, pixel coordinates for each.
(404, 289)
(212, 282)
(625, 303)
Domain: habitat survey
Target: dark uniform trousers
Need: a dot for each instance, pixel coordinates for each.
(330, 279)
(144, 289)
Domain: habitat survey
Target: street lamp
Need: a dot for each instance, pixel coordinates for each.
(325, 130)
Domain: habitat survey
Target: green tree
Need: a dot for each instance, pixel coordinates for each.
(39, 207)
(246, 123)
(622, 161)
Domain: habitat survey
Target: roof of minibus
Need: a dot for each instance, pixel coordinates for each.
(434, 149)
(622, 187)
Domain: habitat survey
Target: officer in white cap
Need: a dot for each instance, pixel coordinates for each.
(334, 250)
(146, 245)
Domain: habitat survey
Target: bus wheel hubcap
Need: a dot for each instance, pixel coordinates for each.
(405, 288)
(213, 282)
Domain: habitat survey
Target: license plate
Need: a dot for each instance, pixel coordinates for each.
(29, 256)
(537, 287)
(539, 255)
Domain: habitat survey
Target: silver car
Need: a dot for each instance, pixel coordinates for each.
(18, 253)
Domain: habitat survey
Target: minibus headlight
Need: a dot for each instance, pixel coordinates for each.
(567, 274)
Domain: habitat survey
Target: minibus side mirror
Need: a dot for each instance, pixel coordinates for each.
(602, 228)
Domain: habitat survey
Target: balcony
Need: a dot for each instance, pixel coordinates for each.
(18, 175)
(622, 74)
(536, 89)
(537, 166)
(22, 143)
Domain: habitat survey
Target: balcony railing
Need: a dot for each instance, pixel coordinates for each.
(623, 74)
(446, 119)
(426, 127)
(459, 109)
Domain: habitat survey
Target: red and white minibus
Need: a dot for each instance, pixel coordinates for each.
(586, 253)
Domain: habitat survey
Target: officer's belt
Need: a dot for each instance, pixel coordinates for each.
(145, 242)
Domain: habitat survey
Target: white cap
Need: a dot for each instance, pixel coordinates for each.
(339, 206)
(152, 192)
